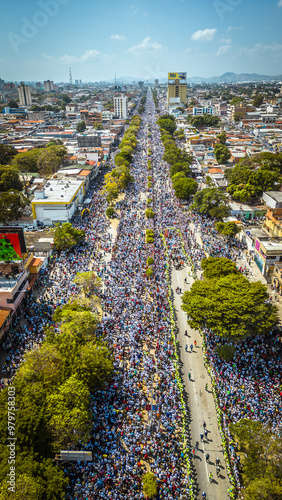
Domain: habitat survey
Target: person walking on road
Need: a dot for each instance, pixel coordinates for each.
(210, 477)
(191, 347)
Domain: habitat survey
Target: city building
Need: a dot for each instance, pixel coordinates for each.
(120, 107)
(176, 88)
(156, 83)
(57, 201)
(202, 111)
(141, 85)
(48, 86)
(88, 140)
(24, 95)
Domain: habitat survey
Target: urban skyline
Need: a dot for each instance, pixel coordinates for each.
(139, 38)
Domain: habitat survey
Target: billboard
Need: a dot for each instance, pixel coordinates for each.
(182, 77)
(12, 243)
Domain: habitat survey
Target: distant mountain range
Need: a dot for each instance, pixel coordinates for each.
(225, 78)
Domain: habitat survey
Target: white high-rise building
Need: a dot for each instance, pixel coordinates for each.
(24, 95)
(120, 107)
(48, 86)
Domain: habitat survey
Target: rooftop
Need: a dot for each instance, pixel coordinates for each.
(276, 195)
(58, 191)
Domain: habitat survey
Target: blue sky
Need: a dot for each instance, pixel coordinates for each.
(140, 38)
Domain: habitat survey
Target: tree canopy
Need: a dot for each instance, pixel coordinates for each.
(216, 267)
(50, 159)
(230, 306)
(228, 228)
(261, 465)
(81, 127)
(222, 137)
(9, 179)
(211, 201)
(257, 101)
(252, 176)
(167, 122)
(27, 162)
(12, 205)
(221, 153)
(67, 236)
(206, 120)
(7, 153)
(184, 187)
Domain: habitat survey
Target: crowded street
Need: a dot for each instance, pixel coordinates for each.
(158, 413)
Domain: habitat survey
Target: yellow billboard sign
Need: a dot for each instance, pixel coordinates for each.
(177, 76)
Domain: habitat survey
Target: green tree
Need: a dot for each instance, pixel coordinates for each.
(257, 101)
(7, 153)
(238, 117)
(55, 142)
(69, 419)
(27, 487)
(150, 487)
(211, 201)
(235, 101)
(180, 167)
(98, 126)
(94, 365)
(230, 306)
(81, 127)
(176, 155)
(89, 282)
(222, 153)
(9, 179)
(222, 137)
(12, 205)
(167, 123)
(217, 267)
(66, 98)
(67, 236)
(228, 228)
(27, 162)
(13, 104)
(184, 188)
(48, 161)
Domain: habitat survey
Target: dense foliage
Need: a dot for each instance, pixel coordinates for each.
(118, 179)
(229, 304)
(252, 176)
(53, 402)
(211, 201)
(67, 236)
(261, 465)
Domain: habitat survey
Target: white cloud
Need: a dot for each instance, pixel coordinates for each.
(226, 41)
(260, 48)
(118, 37)
(89, 54)
(204, 35)
(222, 51)
(236, 28)
(146, 46)
(279, 3)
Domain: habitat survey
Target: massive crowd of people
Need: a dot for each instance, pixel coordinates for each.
(136, 418)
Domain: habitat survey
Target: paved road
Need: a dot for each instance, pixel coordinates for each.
(200, 402)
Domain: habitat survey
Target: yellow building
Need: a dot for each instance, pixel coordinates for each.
(176, 88)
